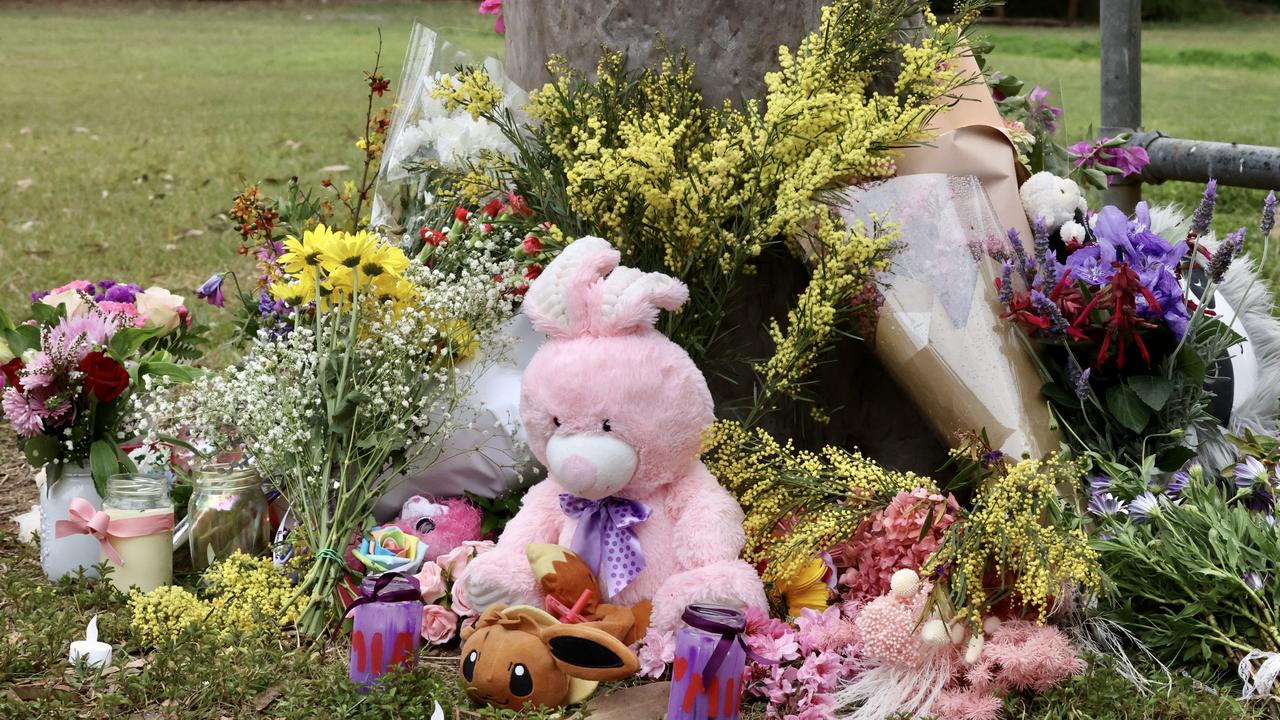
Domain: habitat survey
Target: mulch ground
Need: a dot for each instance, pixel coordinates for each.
(17, 486)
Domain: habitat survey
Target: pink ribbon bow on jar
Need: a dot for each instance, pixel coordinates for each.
(85, 520)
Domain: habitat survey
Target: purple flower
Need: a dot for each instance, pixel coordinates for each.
(1006, 282)
(1106, 505)
(1143, 507)
(1128, 160)
(1181, 479)
(1041, 112)
(1204, 211)
(1261, 500)
(1255, 580)
(1249, 473)
(1268, 214)
(1099, 484)
(122, 293)
(211, 290)
(991, 458)
(1222, 257)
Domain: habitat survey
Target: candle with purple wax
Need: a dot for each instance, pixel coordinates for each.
(706, 678)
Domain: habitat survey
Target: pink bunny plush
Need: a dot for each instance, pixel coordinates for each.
(615, 411)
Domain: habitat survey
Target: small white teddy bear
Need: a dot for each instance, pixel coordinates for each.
(1055, 200)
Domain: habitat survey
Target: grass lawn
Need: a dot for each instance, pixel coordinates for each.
(126, 129)
(1211, 82)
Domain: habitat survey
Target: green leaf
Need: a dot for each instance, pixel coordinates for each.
(1152, 389)
(46, 314)
(181, 373)
(340, 419)
(1127, 408)
(126, 343)
(40, 450)
(103, 463)
(1058, 394)
(23, 338)
(1096, 178)
(1174, 458)
(1192, 365)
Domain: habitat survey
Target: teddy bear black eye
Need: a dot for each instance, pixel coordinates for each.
(556, 420)
(606, 426)
(469, 665)
(521, 683)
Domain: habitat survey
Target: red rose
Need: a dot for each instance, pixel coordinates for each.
(10, 370)
(103, 376)
(531, 245)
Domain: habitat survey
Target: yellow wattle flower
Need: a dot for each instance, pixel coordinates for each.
(805, 589)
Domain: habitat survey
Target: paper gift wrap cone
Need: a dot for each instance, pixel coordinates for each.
(939, 332)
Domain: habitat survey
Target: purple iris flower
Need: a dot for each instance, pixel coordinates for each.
(1143, 506)
(211, 290)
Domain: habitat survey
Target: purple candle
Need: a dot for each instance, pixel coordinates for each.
(387, 626)
(706, 678)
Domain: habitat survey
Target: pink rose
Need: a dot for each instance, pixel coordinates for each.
(438, 624)
(457, 559)
(431, 582)
(458, 598)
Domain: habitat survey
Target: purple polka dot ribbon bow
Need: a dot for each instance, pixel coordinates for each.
(604, 538)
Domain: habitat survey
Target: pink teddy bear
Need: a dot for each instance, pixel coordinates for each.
(615, 411)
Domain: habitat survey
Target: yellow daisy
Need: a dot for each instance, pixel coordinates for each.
(385, 259)
(344, 250)
(301, 257)
(293, 294)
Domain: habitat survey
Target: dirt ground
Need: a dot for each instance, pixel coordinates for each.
(17, 487)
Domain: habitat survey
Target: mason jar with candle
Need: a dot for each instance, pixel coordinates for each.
(227, 512)
(140, 532)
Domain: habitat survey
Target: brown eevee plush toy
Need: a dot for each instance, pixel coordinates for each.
(521, 656)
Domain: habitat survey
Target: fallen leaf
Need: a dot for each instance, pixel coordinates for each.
(79, 129)
(335, 168)
(167, 178)
(105, 194)
(292, 144)
(638, 702)
(170, 247)
(136, 663)
(25, 183)
(193, 232)
(26, 225)
(25, 131)
(266, 697)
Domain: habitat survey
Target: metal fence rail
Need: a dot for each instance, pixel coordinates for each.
(1251, 166)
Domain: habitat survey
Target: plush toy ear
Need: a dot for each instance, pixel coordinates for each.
(583, 651)
(559, 303)
(629, 300)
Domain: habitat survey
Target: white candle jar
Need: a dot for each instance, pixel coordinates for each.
(146, 561)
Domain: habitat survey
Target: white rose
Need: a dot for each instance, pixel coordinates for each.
(160, 308)
(74, 301)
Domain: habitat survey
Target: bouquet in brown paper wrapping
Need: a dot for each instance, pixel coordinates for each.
(939, 331)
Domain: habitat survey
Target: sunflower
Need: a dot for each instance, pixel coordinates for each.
(344, 250)
(301, 256)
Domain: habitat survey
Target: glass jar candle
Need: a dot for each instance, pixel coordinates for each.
(706, 674)
(227, 512)
(140, 532)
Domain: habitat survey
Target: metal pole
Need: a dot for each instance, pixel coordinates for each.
(1121, 24)
(1250, 166)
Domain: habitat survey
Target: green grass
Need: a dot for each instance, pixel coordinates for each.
(126, 129)
(1207, 82)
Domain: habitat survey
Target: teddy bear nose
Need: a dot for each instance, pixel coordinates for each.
(591, 465)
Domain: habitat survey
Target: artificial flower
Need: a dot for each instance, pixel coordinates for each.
(431, 582)
(439, 625)
(389, 548)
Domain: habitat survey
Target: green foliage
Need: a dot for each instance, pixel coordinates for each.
(1101, 693)
(1178, 580)
(196, 676)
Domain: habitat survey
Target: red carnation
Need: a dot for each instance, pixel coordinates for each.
(103, 376)
(10, 370)
(492, 207)
(533, 271)
(433, 237)
(461, 214)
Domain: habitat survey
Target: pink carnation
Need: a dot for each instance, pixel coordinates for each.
(890, 541)
(657, 650)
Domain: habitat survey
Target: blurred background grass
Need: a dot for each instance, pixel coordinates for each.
(126, 129)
